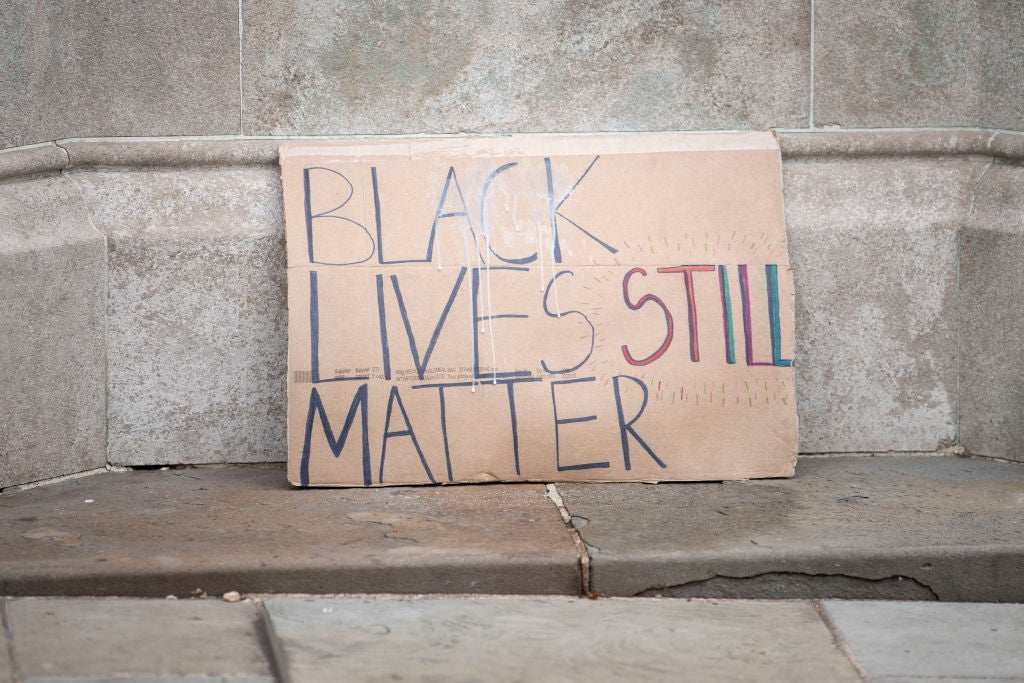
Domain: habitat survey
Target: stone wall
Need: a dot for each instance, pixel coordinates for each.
(141, 237)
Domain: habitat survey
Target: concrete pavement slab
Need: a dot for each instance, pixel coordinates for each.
(920, 528)
(6, 666)
(904, 642)
(244, 528)
(554, 639)
(85, 640)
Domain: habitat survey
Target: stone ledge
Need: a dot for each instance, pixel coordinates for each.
(82, 153)
(217, 529)
(920, 528)
(917, 528)
(32, 160)
(1006, 145)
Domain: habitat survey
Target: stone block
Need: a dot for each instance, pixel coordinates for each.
(913, 642)
(196, 313)
(991, 320)
(443, 67)
(873, 242)
(907, 63)
(906, 527)
(52, 355)
(140, 640)
(244, 528)
(108, 68)
(520, 639)
(6, 665)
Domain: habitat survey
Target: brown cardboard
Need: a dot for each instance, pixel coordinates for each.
(526, 338)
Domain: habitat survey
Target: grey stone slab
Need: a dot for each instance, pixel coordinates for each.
(244, 528)
(902, 642)
(922, 528)
(55, 639)
(6, 665)
(991, 287)
(196, 313)
(52, 356)
(508, 66)
(521, 639)
(873, 243)
(113, 69)
(948, 63)
(1000, 57)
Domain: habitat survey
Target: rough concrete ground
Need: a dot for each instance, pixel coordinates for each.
(472, 638)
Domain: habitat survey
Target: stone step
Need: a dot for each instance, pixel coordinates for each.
(899, 527)
(467, 638)
(891, 527)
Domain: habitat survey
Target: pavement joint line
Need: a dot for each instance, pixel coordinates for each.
(276, 656)
(8, 633)
(838, 639)
(61, 479)
(555, 497)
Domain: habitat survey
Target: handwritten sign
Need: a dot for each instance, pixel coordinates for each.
(538, 308)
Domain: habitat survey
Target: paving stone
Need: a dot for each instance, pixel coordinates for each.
(6, 666)
(519, 639)
(873, 243)
(52, 358)
(108, 68)
(908, 642)
(905, 527)
(992, 285)
(196, 313)
(509, 66)
(244, 528)
(944, 63)
(84, 640)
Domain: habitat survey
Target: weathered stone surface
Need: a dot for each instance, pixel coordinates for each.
(508, 66)
(111, 69)
(32, 160)
(1001, 56)
(245, 529)
(196, 313)
(935, 145)
(992, 324)
(873, 244)
(554, 640)
(81, 640)
(912, 642)
(6, 666)
(184, 153)
(914, 527)
(52, 282)
(905, 63)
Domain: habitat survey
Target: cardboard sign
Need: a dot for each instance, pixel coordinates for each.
(538, 308)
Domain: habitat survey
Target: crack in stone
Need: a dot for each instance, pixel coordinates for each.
(582, 549)
(724, 586)
(8, 634)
